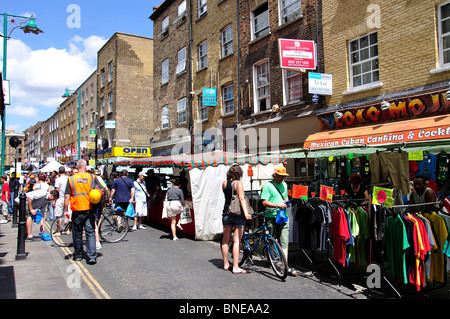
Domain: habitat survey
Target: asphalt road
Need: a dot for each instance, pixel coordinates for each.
(148, 264)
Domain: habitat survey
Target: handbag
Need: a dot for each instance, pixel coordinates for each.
(235, 208)
(281, 215)
(185, 216)
(130, 212)
(164, 210)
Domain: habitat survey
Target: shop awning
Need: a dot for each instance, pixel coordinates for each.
(429, 129)
(203, 160)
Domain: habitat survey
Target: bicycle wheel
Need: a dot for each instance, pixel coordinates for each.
(61, 232)
(277, 258)
(113, 227)
(245, 254)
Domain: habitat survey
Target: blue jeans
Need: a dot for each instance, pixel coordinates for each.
(86, 220)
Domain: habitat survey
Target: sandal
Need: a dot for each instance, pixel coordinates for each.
(292, 272)
(242, 271)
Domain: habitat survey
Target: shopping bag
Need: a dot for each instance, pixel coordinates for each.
(164, 211)
(38, 217)
(185, 216)
(281, 217)
(130, 213)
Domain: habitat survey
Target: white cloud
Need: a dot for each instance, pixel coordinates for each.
(38, 78)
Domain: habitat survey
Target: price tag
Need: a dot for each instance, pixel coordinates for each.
(415, 156)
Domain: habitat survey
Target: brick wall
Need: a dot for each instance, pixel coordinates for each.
(407, 43)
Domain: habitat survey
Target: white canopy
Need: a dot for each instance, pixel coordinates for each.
(52, 166)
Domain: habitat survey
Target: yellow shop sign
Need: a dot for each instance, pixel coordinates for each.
(126, 152)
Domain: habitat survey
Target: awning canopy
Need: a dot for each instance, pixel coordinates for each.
(430, 129)
(203, 160)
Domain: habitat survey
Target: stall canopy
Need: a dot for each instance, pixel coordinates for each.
(203, 160)
(429, 129)
(52, 166)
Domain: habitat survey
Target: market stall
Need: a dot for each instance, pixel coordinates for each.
(206, 171)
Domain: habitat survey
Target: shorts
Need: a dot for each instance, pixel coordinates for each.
(174, 208)
(233, 221)
(279, 231)
(141, 209)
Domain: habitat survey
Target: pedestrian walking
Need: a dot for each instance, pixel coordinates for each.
(275, 195)
(176, 203)
(123, 190)
(233, 184)
(14, 187)
(83, 217)
(4, 200)
(60, 186)
(140, 199)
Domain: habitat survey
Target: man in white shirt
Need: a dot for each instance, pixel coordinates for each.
(60, 186)
(140, 198)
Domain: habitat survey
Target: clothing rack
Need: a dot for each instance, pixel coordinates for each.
(385, 280)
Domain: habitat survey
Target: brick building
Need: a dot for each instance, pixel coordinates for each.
(173, 120)
(383, 69)
(124, 90)
(264, 84)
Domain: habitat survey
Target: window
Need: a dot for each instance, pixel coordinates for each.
(92, 90)
(82, 121)
(202, 110)
(102, 106)
(364, 60)
(262, 86)
(181, 9)
(203, 55)
(201, 7)
(293, 89)
(227, 41)
(181, 66)
(165, 117)
(181, 110)
(102, 75)
(290, 10)
(110, 98)
(165, 71)
(164, 24)
(228, 99)
(261, 21)
(110, 68)
(444, 33)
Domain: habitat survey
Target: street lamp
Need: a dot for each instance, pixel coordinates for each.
(28, 25)
(68, 93)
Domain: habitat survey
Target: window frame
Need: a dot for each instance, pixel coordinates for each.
(225, 100)
(203, 59)
(165, 117)
(290, 16)
(202, 109)
(256, 34)
(287, 75)
(226, 45)
(182, 61)
(361, 62)
(164, 72)
(441, 36)
(256, 87)
(181, 111)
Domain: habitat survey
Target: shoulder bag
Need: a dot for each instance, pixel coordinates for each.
(235, 208)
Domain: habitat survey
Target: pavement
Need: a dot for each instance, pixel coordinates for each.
(37, 276)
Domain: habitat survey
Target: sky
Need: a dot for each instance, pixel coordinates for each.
(40, 67)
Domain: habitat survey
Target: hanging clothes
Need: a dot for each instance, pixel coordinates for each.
(396, 241)
(340, 233)
(438, 260)
(390, 167)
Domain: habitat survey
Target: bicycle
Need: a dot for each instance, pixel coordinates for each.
(113, 227)
(272, 249)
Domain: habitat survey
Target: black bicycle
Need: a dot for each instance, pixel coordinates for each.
(272, 250)
(113, 227)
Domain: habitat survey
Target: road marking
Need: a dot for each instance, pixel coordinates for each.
(85, 274)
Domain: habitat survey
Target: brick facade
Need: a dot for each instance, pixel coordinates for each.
(408, 54)
(131, 86)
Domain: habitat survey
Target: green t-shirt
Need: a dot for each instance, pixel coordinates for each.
(270, 194)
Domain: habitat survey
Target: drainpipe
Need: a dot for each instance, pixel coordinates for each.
(191, 120)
